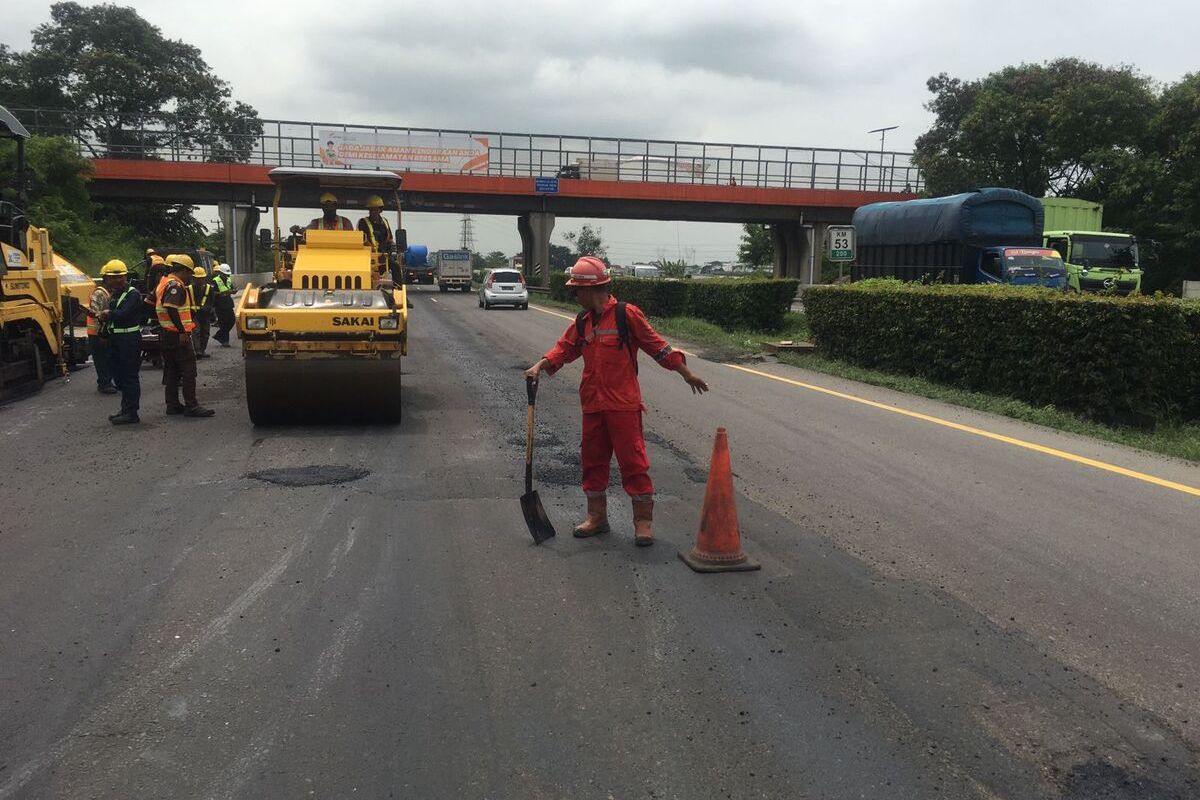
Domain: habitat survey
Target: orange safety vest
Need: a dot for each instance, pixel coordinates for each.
(93, 322)
(185, 310)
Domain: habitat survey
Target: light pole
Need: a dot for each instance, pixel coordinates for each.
(882, 137)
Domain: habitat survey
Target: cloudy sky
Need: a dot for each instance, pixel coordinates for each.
(799, 73)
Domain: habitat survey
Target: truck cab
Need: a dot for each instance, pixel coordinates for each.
(1023, 266)
(1098, 261)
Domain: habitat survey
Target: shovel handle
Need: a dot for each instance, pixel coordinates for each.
(531, 385)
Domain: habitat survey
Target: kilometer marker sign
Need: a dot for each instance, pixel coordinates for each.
(840, 243)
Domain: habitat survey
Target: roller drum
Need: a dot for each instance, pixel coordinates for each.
(338, 390)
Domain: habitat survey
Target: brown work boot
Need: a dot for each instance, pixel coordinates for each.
(597, 518)
(643, 522)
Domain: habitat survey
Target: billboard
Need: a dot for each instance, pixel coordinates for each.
(454, 152)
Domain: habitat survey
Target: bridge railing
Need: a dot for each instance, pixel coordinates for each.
(299, 144)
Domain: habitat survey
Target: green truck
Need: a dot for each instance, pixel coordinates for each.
(1096, 261)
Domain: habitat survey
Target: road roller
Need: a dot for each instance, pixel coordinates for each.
(323, 341)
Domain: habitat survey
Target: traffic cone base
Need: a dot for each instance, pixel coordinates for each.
(707, 563)
(719, 542)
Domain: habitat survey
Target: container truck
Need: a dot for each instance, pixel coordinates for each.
(1097, 261)
(984, 236)
(454, 270)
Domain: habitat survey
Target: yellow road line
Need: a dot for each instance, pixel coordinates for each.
(1038, 448)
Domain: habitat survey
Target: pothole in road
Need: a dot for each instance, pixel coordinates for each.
(314, 475)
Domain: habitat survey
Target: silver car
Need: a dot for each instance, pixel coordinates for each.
(503, 287)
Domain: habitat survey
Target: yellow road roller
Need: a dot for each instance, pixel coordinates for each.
(323, 341)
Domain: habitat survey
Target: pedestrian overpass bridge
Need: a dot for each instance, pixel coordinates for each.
(798, 191)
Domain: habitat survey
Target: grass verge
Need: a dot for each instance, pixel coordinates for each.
(1180, 440)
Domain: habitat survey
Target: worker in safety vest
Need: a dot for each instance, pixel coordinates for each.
(202, 311)
(378, 233)
(223, 303)
(173, 305)
(330, 220)
(155, 273)
(121, 321)
(608, 335)
(98, 339)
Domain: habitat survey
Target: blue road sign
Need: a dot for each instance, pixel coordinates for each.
(545, 185)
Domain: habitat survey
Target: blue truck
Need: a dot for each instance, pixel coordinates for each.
(417, 268)
(983, 236)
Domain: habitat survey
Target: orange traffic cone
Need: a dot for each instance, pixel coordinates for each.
(719, 543)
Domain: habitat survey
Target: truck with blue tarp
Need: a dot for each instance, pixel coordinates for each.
(984, 236)
(417, 268)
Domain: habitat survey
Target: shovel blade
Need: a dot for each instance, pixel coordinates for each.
(535, 517)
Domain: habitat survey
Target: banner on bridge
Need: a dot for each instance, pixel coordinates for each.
(399, 151)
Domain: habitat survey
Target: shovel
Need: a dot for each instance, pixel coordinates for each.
(531, 505)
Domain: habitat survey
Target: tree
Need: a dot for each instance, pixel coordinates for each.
(129, 90)
(1041, 128)
(560, 258)
(671, 269)
(495, 260)
(587, 242)
(756, 247)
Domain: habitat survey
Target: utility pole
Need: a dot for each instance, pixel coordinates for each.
(467, 236)
(882, 136)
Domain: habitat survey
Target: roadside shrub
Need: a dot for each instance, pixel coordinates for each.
(1116, 359)
(658, 298)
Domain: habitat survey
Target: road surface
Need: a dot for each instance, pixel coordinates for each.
(951, 604)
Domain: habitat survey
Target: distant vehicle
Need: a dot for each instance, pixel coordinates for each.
(503, 287)
(453, 270)
(417, 269)
(1097, 261)
(646, 271)
(984, 236)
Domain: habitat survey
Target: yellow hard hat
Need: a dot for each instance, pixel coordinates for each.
(374, 201)
(114, 267)
(156, 259)
(328, 197)
(180, 261)
(199, 272)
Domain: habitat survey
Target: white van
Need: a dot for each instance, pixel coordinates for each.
(646, 271)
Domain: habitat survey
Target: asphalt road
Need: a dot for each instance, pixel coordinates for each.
(941, 613)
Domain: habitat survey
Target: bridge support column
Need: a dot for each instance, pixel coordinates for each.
(798, 250)
(240, 223)
(535, 229)
(791, 249)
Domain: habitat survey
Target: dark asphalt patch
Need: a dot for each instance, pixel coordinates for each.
(315, 475)
(1097, 780)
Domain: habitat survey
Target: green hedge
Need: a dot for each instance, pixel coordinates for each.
(1116, 359)
(731, 303)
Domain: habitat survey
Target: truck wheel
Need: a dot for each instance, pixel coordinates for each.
(443, 288)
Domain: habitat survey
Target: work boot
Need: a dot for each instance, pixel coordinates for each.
(597, 518)
(124, 419)
(178, 408)
(643, 522)
(198, 411)
(106, 389)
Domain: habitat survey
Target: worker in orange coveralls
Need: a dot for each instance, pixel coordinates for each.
(608, 335)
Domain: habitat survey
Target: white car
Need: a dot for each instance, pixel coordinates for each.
(503, 287)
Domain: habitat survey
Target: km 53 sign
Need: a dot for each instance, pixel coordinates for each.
(840, 243)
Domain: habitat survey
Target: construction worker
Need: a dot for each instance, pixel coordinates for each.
(330, 220)
(223, 303)
(173, 304)
(97, 339)
(378, 233)
(202, 310)
(608, 335)
(121, 320)
(155, 273)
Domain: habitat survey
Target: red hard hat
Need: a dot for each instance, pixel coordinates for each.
(588, 271)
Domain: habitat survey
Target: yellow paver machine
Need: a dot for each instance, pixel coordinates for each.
(323, 342)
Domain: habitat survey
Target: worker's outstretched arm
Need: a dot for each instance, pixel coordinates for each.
(567, 349)
(653, 345)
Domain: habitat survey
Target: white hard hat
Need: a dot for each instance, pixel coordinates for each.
(224, 268)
